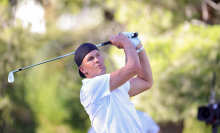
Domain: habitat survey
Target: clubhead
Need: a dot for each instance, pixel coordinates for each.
(10, 77)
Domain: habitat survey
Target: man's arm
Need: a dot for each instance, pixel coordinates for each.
(144, 79)
(119, 77)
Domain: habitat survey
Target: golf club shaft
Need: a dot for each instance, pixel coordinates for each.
(98, 45)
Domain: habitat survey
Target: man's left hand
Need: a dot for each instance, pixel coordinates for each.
(135, 41)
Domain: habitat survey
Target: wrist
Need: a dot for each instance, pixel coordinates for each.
(139, 46)
(140, 49)
(128, 44)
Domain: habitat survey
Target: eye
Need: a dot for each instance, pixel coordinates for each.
(98, 55)
(91, 58)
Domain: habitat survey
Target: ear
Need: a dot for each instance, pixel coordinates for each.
(83, 70)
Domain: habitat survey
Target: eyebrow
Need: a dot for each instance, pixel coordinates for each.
(91, 56)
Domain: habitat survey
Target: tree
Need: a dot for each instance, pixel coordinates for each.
(180, 38)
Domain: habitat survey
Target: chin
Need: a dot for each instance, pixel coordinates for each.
(101, 73)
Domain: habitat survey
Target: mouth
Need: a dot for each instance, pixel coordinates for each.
(99, 65)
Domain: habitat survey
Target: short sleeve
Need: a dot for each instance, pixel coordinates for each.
(93, 90)
(127, 86)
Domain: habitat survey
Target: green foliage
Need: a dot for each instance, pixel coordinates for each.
(45, 99)
(15, 113)
(182, 64)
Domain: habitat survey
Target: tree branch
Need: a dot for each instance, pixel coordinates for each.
(213, 4)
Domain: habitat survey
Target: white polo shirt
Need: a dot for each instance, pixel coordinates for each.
(109, 112)
(148, 124)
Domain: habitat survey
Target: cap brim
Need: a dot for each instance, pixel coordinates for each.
(81, 74)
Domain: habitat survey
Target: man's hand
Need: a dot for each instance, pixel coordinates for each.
(135, 41)
(119, 40)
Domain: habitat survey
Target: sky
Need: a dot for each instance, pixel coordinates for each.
(29, 12)
(32, 13)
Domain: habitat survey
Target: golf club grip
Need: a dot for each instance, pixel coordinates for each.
(108, 42)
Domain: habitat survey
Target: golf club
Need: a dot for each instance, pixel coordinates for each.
(11, 76)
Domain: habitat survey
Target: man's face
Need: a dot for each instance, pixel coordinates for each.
(93, 64)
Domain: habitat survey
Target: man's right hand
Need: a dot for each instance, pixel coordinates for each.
(120, 41)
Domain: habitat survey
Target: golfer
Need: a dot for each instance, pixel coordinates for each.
(105, 97)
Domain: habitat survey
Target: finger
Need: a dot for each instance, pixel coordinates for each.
(111, 38)
(128, 34)
(125, 33)
(131, 34)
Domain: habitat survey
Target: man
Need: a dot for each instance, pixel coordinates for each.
(105, 97)
(148, 124)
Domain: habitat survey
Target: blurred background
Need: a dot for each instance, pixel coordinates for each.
(181, 38)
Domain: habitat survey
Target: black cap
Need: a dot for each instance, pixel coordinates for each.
(81, 52)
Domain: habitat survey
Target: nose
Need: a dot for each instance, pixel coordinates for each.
(96, 60)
